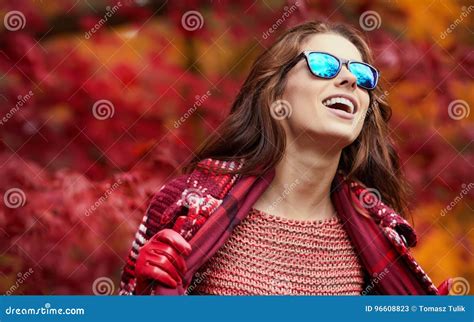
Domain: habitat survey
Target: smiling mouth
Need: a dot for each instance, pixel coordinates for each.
(340, 103)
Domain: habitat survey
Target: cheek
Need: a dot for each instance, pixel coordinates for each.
(364, 100)
(303, 95)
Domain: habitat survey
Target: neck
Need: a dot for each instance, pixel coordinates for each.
(302, 184)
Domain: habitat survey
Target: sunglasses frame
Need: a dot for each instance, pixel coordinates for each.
(341, 61)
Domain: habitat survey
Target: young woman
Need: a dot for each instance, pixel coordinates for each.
(299, 191)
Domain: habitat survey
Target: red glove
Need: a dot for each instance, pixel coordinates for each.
(161, 259)
(445, 287)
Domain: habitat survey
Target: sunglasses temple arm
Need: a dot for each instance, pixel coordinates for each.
(292, 64)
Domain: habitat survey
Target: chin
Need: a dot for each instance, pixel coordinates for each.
(337, 135)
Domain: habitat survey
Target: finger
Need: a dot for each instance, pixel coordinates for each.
(171, 254)
(159, 275)
(164, 263)
(174, 239)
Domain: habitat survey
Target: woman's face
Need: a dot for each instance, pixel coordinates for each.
(308, 94)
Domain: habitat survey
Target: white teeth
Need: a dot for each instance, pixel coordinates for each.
(340, 100)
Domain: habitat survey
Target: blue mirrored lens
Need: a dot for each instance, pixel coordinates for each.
(323, 65)
(366, 75)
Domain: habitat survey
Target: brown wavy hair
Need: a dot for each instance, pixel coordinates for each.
(250, 132)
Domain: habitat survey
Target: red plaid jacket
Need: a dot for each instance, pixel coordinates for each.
(204, 208)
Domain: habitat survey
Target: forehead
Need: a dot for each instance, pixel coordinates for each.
(334, 44)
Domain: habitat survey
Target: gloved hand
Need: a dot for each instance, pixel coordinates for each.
(445, 287)
(161, 259)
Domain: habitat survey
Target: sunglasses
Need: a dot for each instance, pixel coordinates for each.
(325, 65)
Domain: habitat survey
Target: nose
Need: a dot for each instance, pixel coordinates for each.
(346, 79)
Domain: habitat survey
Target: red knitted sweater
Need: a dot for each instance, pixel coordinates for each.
(267, 255)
